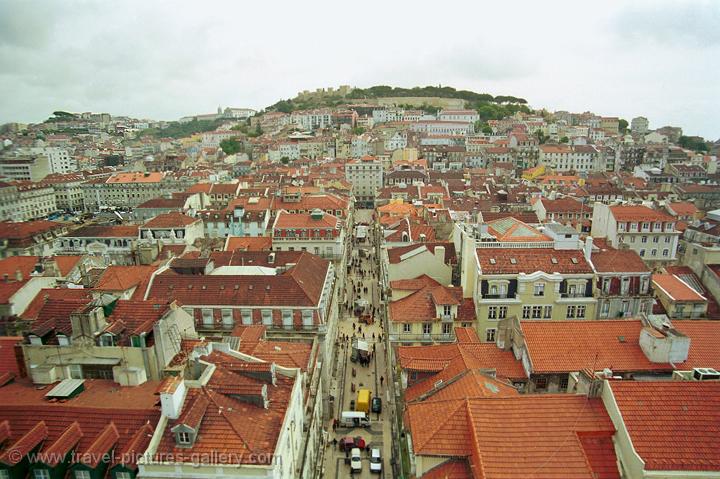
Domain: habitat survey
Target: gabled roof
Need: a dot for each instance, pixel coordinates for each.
(92, 456)
(484, 356)
(704, 339)
(510, 229)
(15, 453)
(673, 425)
(577, 345)
(420, 305)
(122, 278)
(47, 294)
(397, 254)
(517, 436)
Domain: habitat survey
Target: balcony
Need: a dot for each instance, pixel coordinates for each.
(423, 338)
(499, 298)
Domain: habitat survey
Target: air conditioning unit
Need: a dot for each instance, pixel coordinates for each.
(705, 374)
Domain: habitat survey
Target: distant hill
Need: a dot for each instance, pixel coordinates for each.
(489, 107)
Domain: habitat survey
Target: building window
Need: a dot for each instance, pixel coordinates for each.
(642, 253)
(427, 328)
(539, 289)
(666, 252)
(667, 240)
(267, 317)
(643, 239)
(581, 311)
(526, 312)
(82, 474)
(492, 312)
(207, 317)
(653, 252)
(447, 310)
(547, 312)
(287, 319)
(227, 317)
(540, 382)
(536, 312)
(446, 328)
(183, 437)
(502, 312)
(563, 383)
(490, 334)
(570, 312)
(656, 239)
(407, 327)
(41, 474)
(246, 316)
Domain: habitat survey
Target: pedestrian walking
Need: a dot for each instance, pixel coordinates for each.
(382, 378)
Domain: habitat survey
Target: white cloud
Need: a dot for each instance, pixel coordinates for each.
(168, 59)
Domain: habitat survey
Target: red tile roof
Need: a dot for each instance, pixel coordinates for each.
(420, 305)
(9, 361)
(26, 409)
(170, 220)
(639, 213)
(26, 229)
(704, 339)
(530, 260)
(457, 381)
(114, 231)
(23, 445)
(8, 290)
(521, 436)
(485, 356)
(611, 260)
(453, 469)
(54, 453)
(305, 220)
(413, 284)
(46, 294)
(283, 353)
(300, 286)
(576, 345)
(676, 288)
(673, 425)
(121, 278)
(242, 430)
(466, 335)
(395, 254)
(249, 243)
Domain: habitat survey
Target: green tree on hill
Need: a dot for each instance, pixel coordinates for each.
(230, 146)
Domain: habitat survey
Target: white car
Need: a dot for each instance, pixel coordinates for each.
(355, 461)
(375, 460)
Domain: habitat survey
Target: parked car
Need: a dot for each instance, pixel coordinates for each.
(355, 461)
(375, 460)
(376, 404)
(349, 442)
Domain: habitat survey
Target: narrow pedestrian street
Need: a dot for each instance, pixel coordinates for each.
(361, 284)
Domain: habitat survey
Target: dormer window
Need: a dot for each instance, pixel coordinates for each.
(447, 309)
(107, 340)
(184, 438)
(36, 340)
(62, 341)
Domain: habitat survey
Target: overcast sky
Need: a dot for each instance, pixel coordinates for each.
(164, 60)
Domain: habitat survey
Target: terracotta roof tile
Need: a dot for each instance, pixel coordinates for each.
(676, 288)
(9, 361)
(170, 220)
(305, 220)
(414, 284)
(639, 213)
(611, 260)
(92, 456)
(530, 260)
(26, 443)
(53, 453)
(576, 345)
(121, 278)
(113, 231)
(453, 469)
(248, 243)
(673, 425)
(395, 254)
(704, 339)
(47, 294)
(521, 436)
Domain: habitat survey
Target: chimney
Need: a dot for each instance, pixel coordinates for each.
(172, 396)
(18, 275)
(588, 247)
(439, 252)
(271, 258)
(664, 346)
